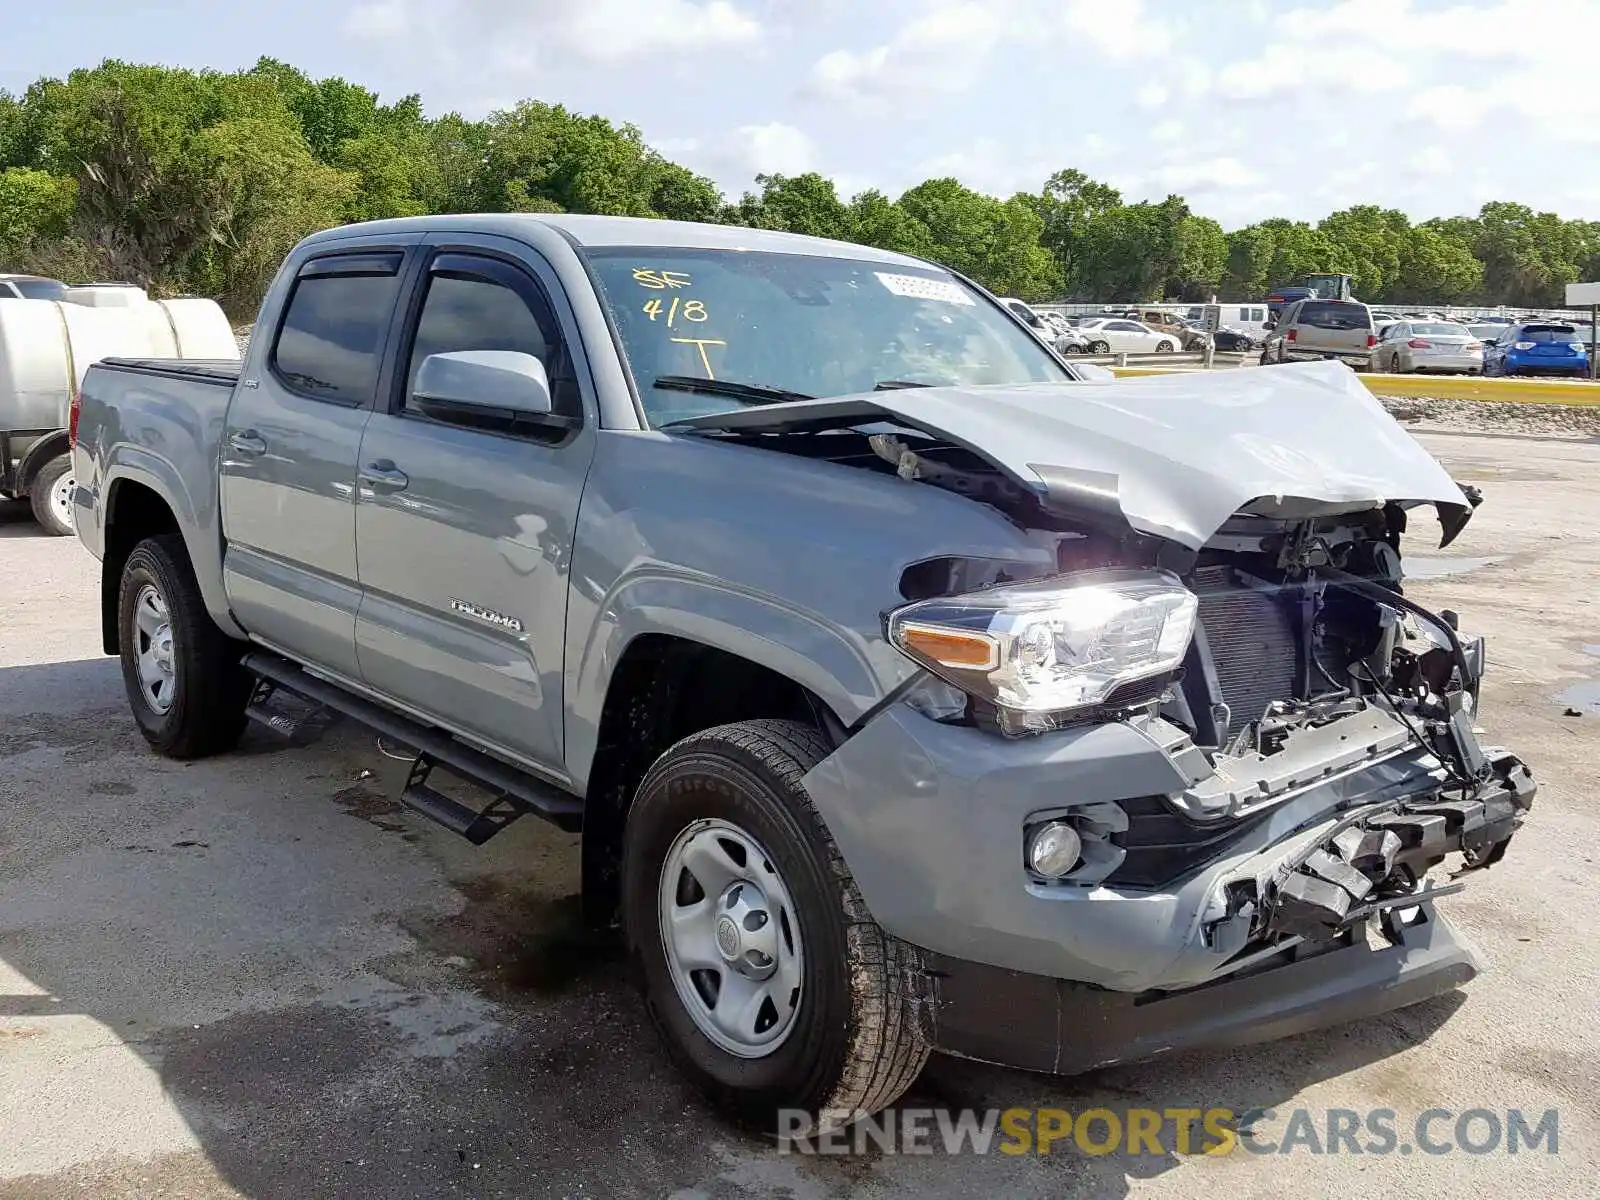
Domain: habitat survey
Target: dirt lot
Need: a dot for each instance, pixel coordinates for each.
(256, 977)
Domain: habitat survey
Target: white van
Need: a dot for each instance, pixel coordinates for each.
(1246, 318)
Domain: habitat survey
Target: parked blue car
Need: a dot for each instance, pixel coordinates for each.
(1536, 348)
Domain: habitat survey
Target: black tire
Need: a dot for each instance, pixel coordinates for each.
(1098, 347)
(1394, 364)
(40, 493)
(1072, 348)
(211, 689)
(858, 1039)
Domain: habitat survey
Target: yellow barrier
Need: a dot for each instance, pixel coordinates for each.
(1455, 387)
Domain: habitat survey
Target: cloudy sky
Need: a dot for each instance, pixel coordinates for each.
(1247, 107)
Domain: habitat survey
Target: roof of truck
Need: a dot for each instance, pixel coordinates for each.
(600, 231)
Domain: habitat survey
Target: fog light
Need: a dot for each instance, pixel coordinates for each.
(1054, 849)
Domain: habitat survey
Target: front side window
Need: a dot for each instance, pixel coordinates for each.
(331, 339)
(798, 325)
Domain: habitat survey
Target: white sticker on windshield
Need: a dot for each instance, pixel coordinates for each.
(920, 288)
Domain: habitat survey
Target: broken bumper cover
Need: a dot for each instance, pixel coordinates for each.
(1053, 1025)
(1316, 968)
(1250, 944)
(1373, 861)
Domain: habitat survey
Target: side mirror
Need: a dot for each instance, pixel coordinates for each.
(1269, 325)
(491, 389)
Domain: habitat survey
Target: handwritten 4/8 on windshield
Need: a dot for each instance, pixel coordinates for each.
(679, 309)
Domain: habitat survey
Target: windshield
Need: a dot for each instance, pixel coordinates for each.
(801, 325)
(40, 289)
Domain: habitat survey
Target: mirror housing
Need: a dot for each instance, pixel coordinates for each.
(491, 389)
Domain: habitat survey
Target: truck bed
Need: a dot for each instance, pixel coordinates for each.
(156, 424)
(202, 370)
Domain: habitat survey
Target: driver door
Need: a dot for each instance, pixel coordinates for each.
(464, 535)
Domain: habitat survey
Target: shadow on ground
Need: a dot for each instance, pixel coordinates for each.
(16, 520)
(341, 1001)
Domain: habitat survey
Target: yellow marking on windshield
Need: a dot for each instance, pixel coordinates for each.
(689, 310)
(659, 280)
(700, 344)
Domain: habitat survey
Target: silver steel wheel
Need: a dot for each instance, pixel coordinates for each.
(732, 938)
(152, 632)
(61, 499)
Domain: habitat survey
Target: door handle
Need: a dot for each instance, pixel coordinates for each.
(248, 442)
(381, 475)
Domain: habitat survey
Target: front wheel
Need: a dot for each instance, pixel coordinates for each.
(1099, 347)
(1072, 348)
(1165, 347)
(183, 676)
(50, 496)
(767, 978)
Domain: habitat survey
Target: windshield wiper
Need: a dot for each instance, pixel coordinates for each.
(894, 385)
(755, 393)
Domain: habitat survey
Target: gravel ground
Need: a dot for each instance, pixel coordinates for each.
(1479, 416)
(256, 976)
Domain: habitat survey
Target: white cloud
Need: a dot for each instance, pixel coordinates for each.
(735, 158)
(1152, 95)
(380, 19)
(943, 50)
(1166, 131)
(1206, 175)
(947, 46)
(596, 31)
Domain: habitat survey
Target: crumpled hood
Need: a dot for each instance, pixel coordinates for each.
(1174, 455)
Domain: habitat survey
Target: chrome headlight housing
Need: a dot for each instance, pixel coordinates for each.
(1044, 649)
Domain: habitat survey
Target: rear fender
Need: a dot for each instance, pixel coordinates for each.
(196, 517)
(52, 445)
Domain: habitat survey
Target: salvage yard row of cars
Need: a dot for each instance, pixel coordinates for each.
(1351, 332)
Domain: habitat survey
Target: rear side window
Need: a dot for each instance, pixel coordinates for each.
(1326, 314)
(331, 340)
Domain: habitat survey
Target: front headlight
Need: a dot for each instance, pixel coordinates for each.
(1040, 650)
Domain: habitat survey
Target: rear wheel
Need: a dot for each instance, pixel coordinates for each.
(50, 495)
(769, 981)
(184, 680)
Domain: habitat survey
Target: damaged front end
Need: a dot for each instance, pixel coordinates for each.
(1217, 755)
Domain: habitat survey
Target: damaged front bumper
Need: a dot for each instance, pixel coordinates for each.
(1263, 932)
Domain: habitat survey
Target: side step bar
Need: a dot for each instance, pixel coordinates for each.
(516, 792)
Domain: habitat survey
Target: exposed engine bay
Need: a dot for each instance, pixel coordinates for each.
(1309, 667)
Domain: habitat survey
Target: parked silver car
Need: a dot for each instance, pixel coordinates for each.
(1429, 346)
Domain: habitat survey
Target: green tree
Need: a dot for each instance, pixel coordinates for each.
(1369, 241)
(799, 204)
(35, 207)
(874, 220)
(994, 242)
(1436, 267)
(1067, 207)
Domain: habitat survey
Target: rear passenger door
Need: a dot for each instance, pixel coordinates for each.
(288, 459)
(465, 534)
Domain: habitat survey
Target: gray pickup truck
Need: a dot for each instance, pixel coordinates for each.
(912, 688)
